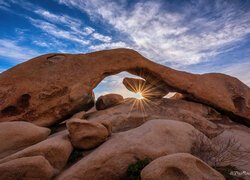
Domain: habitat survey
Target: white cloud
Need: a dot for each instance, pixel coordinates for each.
(173, 37)
(76, 31)
(58, 18)
(101, 37)
(108, 46)
(11, 50)
(58, 32)
(4, 3)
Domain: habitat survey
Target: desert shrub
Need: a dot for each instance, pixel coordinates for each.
(220, 153)
(134, 170)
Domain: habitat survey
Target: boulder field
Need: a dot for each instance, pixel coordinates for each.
(51, 126)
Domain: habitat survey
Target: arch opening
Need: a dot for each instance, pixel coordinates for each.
(114, 84)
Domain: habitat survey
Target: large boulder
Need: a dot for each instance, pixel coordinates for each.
(108, 100)
(15, 136)
(149, 90)
(35, 167)
(180, 166)
(133, 113)
(87, 135)
(151, 140)
(52, 87)
(55, 149)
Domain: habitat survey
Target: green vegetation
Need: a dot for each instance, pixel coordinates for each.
(134, 170)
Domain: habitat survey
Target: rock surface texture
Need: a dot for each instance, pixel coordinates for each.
(133, 113)
(52, 87)
(179, 166)
(151, 140)
(87, 135)
(15, 136)
(109, 100)
(34, 167)
(56, 150)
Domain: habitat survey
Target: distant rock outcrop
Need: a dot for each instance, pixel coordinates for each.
(108, 100)
(52, 87)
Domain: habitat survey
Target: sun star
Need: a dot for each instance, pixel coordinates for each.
(138, 95)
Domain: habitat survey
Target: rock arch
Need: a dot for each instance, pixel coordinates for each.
(60, 84)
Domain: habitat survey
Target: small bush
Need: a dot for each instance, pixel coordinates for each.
(134, 170)
(221, 154)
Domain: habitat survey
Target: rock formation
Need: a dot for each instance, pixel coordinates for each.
(34, 167)
(133, 113)
(52, 87)
(87, 135)
(106, 139)
(56, 150)
(151, 140)
(15, 136)
(179, 166)
(109, 100)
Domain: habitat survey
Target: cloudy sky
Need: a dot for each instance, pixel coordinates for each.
(198, 36)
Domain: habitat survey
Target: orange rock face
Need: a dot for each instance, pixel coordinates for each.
(87, 135)
(52, 87)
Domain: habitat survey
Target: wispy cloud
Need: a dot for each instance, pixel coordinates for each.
(112, 45)
(11, 50)
(4, 5)
(193, 34)
(102, 37)
(68, 27)
(58, 32)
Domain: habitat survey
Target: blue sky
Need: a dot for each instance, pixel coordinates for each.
(198, 36)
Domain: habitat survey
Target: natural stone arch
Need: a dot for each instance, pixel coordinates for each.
(61, 84)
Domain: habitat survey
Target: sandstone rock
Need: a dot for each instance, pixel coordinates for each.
(148, 90)
(79, 114)
(132, 113)
(151, 140)
(15, 136)
(87, 135)
(35, 167)
(51, 87)
(55, 149)
(107, 101)
(180, 166)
